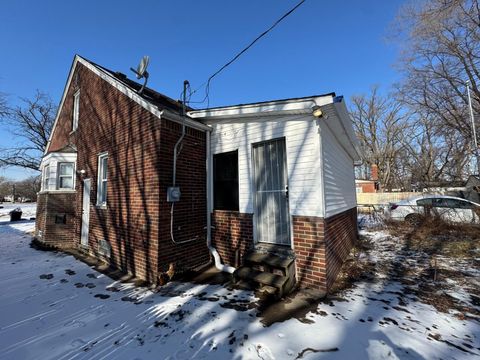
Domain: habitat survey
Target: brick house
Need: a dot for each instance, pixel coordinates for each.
(266, 190)
(366, 178)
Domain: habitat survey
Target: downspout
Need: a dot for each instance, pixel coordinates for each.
(213, 251)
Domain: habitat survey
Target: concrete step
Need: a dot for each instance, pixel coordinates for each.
(264, 278)
(274, 261)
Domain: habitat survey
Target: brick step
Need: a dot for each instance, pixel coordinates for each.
(265, 278)
(274, 261)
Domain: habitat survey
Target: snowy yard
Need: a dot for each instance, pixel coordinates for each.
(28, 210)
(56, 307)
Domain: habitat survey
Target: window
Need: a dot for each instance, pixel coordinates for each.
(76, 105)
(424, 202)
(46, 177)
(65, 176)
(225, 181)
(459, 204)
(102, 180)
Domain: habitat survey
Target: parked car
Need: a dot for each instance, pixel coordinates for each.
(449, 208)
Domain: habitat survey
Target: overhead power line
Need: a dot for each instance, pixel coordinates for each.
(209, 80)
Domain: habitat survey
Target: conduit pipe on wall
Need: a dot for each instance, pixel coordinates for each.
(213, 251)
(175, 155)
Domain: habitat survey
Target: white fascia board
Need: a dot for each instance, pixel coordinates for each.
(274, 108)
(126, 91)
(347, 130)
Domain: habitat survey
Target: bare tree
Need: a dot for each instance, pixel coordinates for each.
(31, 125)
(441, 51)
(380, 125)
(25, 189)
(3, 105)
(28, 188)
(434, 156)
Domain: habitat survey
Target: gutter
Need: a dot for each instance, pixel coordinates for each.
(275, 108)
(213, 251)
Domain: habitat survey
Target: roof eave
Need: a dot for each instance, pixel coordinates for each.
(279, 107)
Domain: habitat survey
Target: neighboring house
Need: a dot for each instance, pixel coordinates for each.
(266, 184)
(366, 178)
(8, 198)
(472, 188)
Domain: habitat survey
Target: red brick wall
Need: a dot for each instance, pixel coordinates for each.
(367, 187)
(49, 205)
(232, 232)
(41, 215)
(340, 235)
(309, 247)
(320, 245)
(136, 221)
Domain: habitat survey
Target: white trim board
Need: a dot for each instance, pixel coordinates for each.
(124, 90)
(275, 108)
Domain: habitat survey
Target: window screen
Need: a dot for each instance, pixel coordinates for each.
(225, 181)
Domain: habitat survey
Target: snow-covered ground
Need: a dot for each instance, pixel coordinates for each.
(28, 210)
(53, 306)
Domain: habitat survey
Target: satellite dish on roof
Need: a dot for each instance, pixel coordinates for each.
(142, 72)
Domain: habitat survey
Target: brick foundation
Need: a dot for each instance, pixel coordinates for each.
(52, 210)
(309, 247)
(340, 234)
(232, 235)
(320, 245)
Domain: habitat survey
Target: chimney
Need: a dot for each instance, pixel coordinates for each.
(374, 172)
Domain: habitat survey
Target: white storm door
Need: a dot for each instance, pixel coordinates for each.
(85, 211)
(272, 215)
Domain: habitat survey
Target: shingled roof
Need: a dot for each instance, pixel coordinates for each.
(153, 97)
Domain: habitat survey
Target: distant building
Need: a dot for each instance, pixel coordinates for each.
(366, 178)
(472, 188)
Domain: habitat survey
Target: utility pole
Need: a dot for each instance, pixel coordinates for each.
(474, 131)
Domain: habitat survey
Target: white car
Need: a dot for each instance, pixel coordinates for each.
(449, 208)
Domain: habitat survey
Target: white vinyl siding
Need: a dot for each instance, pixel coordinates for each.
(102, 179)
(338, 173)
(76, 110)
(303, 158)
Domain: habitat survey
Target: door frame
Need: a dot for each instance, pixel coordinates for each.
(256, 240)
(89, 180)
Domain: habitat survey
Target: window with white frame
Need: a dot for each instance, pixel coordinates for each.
(76, 106)
(46, 177)
(65, 175)
(102, 179)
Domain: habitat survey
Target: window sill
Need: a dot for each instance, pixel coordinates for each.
(101, 206)
(72, 132)
(72, 191)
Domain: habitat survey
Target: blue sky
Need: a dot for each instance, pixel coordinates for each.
(324, 46)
